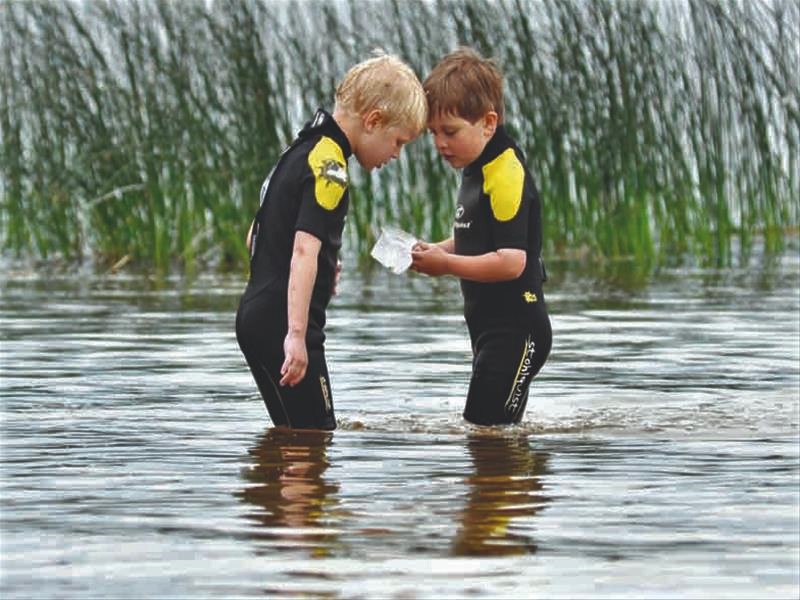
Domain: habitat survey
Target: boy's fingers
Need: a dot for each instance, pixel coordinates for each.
(290, 378)
(419, 252)
(284, 372)
(292, 372)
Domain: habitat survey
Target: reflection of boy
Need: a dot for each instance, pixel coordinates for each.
(296, 235)
(497, 240)
(504, 490)
(287, 481)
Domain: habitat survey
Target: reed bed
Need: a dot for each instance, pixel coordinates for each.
(658, 132)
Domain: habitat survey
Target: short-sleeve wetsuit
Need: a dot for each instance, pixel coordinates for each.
(306, 191)
(498, 207)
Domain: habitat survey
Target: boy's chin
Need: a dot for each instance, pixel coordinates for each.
(372, 166)
(367, 166)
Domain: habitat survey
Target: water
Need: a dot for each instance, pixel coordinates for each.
(658, 457)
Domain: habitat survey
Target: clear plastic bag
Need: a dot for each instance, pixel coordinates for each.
(393, 249)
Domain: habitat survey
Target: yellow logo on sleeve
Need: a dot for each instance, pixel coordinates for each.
(529, 297)
(503, 179)
(330, 172)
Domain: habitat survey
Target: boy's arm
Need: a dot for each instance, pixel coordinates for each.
(502, 265)
(447, 245)
(249, 238)
(302, 274)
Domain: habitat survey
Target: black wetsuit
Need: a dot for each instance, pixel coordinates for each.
(306, 191)
(498, 207)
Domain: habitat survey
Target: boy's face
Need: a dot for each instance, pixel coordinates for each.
(381, 144)
(459, 141)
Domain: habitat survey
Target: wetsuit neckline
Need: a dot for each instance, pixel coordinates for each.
(499, 142)
(323, 123)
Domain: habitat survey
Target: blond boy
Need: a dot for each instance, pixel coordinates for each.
(296, 235)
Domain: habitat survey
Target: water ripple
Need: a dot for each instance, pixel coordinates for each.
(659, 454)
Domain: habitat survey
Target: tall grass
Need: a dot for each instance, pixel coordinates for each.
(657, 131)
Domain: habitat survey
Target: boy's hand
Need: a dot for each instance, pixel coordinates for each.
(296, 361)
(420, 246)
(429, 259)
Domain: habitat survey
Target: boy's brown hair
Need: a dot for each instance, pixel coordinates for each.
(465, 84)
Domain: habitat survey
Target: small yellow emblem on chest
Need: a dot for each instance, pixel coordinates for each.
(529, 297)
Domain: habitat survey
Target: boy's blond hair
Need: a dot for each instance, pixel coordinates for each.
(465, 84)
(386, 83)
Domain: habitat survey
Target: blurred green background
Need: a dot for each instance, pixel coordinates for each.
(659, 133)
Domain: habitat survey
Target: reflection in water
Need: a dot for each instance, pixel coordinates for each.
(504, 488)
(286, 483)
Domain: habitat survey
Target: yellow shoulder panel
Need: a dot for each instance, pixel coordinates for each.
(503, 179)
(330, 172)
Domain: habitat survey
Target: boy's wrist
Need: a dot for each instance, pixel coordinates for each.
(448, 264)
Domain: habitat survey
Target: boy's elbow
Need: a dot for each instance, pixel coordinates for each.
(306, 245)
(248, 239)
(519, 267)
(515, 261)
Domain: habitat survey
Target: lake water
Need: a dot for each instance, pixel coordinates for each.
(659, 455)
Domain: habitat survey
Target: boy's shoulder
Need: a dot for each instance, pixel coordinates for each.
(319, 142)
(328, 163)
(504, 182)
(505, 178)
(322, 149)
(501, 149)
(324, 136)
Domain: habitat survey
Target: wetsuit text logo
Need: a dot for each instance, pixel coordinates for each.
(460, 213)
(523, 375)
(326, 396)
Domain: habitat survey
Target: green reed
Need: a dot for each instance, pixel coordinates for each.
(658, 132)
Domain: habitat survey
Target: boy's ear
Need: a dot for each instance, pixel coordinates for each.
(372, 119)
(490, 123)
